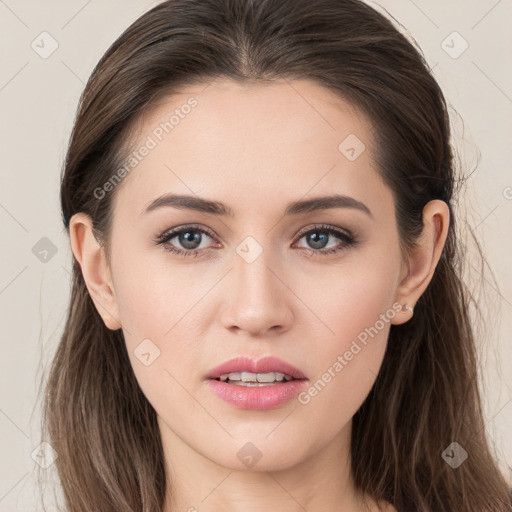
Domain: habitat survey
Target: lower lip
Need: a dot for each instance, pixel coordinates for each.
(257, 397)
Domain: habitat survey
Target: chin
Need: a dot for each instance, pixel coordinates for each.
(261, 455)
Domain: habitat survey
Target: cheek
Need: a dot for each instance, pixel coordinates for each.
(356, 309)
(158, 309)
(351, 296)
(346, 369)
(151, 293)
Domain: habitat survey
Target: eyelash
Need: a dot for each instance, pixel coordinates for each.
(347, 240)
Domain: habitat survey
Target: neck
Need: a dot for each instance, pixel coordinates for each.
(323, 481)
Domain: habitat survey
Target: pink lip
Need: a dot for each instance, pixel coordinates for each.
(264, 365)
(256, 397)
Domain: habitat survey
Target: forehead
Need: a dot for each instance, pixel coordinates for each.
(257, 141)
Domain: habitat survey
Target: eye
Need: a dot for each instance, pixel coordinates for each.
(190, 238)
(319, 237)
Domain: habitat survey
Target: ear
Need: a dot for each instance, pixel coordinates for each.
(95, 270)
(423, 259)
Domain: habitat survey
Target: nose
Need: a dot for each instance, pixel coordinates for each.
(259, 301)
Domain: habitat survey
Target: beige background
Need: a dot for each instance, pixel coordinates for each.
(38, 99)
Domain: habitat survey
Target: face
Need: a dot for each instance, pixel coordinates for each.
(265, 271)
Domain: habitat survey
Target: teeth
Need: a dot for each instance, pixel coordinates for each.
(238, 377)
(249, 377)
(232, 376)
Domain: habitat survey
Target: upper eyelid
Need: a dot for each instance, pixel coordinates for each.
(325, 227)
(180, 229)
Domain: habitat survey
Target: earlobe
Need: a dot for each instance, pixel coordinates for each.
(95, 270)
(423, 258)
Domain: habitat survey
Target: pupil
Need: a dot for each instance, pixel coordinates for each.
(188, 241)
(318, 242)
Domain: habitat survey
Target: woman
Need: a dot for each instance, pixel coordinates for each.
(267, 309)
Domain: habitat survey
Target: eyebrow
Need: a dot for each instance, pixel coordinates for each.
(199, 204)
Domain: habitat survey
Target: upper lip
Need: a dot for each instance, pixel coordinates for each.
(263, 365)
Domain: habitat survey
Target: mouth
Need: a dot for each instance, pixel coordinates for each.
(250, 379)
(264, 384)
(245, 371)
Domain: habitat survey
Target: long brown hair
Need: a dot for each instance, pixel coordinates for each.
(426, 395)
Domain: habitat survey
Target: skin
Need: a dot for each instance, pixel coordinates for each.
(256, 148)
